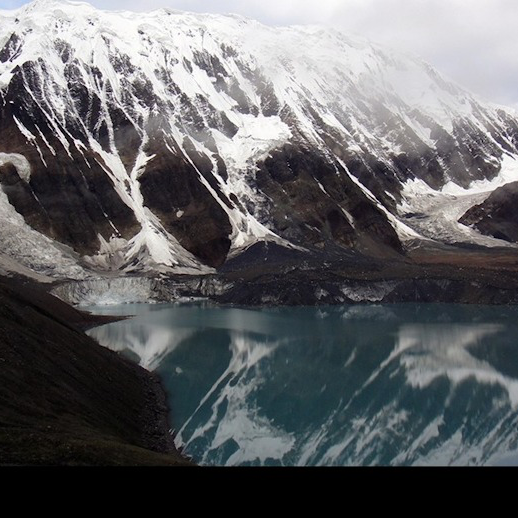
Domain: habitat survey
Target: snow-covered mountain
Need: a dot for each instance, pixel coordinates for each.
(172, 141)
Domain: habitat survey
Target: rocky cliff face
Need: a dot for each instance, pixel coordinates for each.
(171, 141)
(497, 215)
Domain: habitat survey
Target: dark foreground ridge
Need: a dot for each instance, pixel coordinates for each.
(64, 399)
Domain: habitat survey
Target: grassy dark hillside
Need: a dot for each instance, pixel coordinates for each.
(65, 400)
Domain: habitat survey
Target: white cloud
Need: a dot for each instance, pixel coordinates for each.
(471, 41)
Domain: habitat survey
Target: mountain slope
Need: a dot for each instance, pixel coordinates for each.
(171, 141)
(65, 400)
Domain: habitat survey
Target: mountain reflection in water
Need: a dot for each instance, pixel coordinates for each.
(351, 385)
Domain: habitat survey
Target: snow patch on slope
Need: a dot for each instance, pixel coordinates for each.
(152, 241)
(508, 173)
(256, 137)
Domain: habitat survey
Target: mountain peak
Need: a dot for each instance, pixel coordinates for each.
(47, 4)
(48, 7)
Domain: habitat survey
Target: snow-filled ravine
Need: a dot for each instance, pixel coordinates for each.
(352, 385)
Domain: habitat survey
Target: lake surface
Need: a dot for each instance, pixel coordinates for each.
(353, 385)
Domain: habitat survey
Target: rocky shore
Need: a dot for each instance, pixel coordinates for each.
(269, 275)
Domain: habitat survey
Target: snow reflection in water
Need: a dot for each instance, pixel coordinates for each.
(378, 384)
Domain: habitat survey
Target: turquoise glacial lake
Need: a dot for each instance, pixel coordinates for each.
(406, 384)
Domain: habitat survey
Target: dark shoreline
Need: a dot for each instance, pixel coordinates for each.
(92, 320)
(67, 401)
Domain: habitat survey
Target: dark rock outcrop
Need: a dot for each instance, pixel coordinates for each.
(498, 215)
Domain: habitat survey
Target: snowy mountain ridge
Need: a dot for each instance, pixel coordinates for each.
(178, 139)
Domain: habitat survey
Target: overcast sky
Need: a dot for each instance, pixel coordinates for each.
(474, 42)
